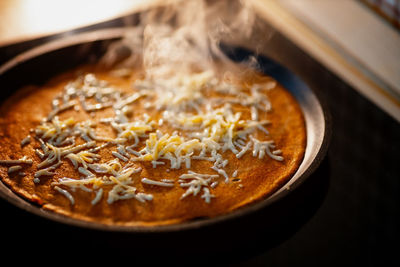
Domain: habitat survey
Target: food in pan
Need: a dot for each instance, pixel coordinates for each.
(117, 147)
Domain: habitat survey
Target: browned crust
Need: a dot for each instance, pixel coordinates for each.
(259, 178)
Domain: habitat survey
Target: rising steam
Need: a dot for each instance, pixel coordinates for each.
(185, 36)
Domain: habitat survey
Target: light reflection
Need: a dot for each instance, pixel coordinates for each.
(57, 15)
(30, 18)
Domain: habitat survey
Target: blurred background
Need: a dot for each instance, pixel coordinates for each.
(346, 50)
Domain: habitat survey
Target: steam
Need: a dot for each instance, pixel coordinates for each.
(185, 36)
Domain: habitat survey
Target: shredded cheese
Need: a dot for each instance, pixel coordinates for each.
(26, 141)
(196, 182)
(14, 168)
(152, 182)
(209, 131)
(99, 195)
(66, 194)
(23, 160)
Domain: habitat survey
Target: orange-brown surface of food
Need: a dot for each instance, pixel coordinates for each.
(256, 178)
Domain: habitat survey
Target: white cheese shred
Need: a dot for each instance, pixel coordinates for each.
(66, 194)
(14, 169)
(207, 196)
(118, 155)
(98, 197)
(152, 182)
(23, 160)
(234, 174)
(26, 141)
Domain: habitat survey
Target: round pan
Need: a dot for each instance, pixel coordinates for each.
(41, 63)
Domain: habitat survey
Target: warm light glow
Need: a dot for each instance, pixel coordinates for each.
(58, 15)
(25, 19)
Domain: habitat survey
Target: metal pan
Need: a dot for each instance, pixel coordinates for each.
(41, 63)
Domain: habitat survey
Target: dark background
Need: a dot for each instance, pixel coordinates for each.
(346, 213)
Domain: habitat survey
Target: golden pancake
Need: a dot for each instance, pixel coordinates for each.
(113, 147)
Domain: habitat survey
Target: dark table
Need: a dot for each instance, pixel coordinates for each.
(346, 213)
